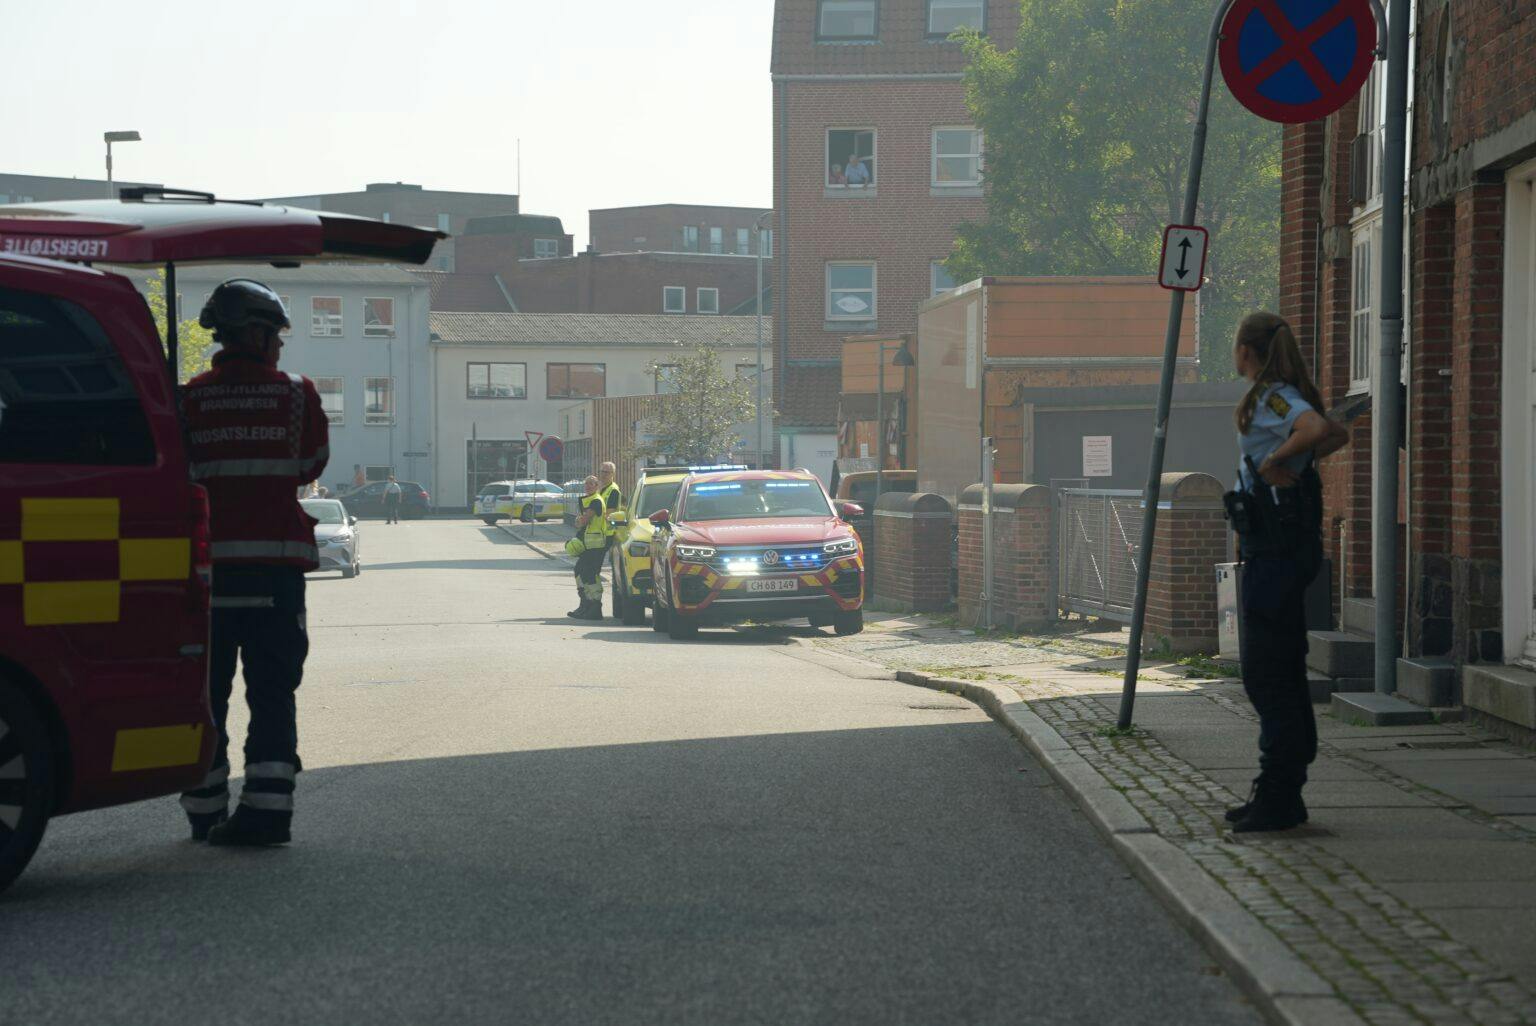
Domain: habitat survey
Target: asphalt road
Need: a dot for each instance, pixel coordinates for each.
(508, 817)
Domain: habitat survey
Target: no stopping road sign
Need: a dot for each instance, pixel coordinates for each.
(1297, 60)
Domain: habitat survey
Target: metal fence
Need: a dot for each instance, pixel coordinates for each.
(1098, 535)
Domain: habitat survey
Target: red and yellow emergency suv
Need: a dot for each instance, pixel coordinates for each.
(756, 545)
(104, 542)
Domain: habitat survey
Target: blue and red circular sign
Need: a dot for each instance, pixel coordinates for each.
(551, 449)
(1297, 60)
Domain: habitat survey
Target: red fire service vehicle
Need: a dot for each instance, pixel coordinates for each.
(759, 545)
(104, 551)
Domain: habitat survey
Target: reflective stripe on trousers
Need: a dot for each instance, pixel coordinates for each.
(210, 796)
(269, 786)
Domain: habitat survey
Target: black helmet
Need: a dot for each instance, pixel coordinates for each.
(238, 302)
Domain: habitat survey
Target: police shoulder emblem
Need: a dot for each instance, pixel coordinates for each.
(1277, 404)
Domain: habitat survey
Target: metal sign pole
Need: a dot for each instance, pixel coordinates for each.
(987, 555)
(1165, 388)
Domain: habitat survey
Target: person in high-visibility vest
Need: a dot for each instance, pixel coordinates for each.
(613, 498)
(593, 532)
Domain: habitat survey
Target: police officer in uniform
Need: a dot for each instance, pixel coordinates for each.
(256, 435)
(593, 532)
(1277, 511)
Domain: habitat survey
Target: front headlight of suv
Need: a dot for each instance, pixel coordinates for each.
(841, 547)
(695, 553)
(638, 548)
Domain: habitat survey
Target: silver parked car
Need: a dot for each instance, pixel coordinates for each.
(335, 536)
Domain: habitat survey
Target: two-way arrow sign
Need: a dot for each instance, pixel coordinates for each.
(1183, 264)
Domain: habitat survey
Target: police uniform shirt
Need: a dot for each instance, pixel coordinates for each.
(1274, 418)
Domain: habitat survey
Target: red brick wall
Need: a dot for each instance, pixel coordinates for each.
(1191, 540)
(912, 553)
(1455, 329)
(1025, 593)
(615, 283)
(660, 227)
(902, 228)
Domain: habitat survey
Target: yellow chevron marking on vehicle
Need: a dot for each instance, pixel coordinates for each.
(69, 519)
(51, 603)
(11, 563)
(154, 559)
(146, 748)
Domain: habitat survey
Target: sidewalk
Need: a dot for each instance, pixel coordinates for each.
(1409, 897)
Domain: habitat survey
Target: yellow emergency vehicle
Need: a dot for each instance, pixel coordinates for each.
(630, 556)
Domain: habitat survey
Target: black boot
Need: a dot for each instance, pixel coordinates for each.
(205, 822)
(251, 828)
(1237, 812)
(1273, 808)
(591, 609)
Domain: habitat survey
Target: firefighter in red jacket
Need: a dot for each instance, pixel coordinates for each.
(256, 435)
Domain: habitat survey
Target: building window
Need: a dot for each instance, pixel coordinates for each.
(666, 379)
(743, 242)
(851, 291)
(847, 19)
(690, 238)
(575, 381)
(767, 242)
(850, 158)
(546, 249)
(325, 317)
(945, 16)
(378, 318)
(708, 301)
(287, 309)
(332, 398)
(496, 381)
(674, 299)
(1364, 328)
(938, 279)
(444, 222)
(378, 400)
(956, 157)
(717, 240)
(378, 472)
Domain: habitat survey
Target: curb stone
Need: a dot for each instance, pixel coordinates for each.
(507, 529)
(1282, 986)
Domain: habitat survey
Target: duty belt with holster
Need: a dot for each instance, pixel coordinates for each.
(1276, 518)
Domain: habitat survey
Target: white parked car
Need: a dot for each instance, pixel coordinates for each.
(335, 536)
(527, 500)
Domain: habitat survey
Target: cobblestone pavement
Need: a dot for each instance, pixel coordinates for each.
(1388, 961)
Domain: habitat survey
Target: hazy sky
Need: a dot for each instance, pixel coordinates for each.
(616, 101)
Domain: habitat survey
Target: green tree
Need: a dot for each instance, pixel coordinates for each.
(1087, 123)
(698, 421)
(194, 343)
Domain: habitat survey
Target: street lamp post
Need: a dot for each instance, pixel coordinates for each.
(902, 359)
(757, 230)
(110, 138)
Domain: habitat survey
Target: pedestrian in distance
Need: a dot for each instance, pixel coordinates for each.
(1277, 511)
(392, 497)
(589, 546)
(256, 435)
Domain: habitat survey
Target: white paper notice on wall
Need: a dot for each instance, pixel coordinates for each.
(1098, 456)
(972, 344)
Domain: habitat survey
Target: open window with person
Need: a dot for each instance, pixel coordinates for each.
(850, 158)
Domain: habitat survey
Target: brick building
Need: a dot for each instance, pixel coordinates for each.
(875, 164)
(668, 258)
(678, 228)
(1467, 510)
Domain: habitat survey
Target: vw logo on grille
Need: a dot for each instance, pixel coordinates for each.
(771, 557)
